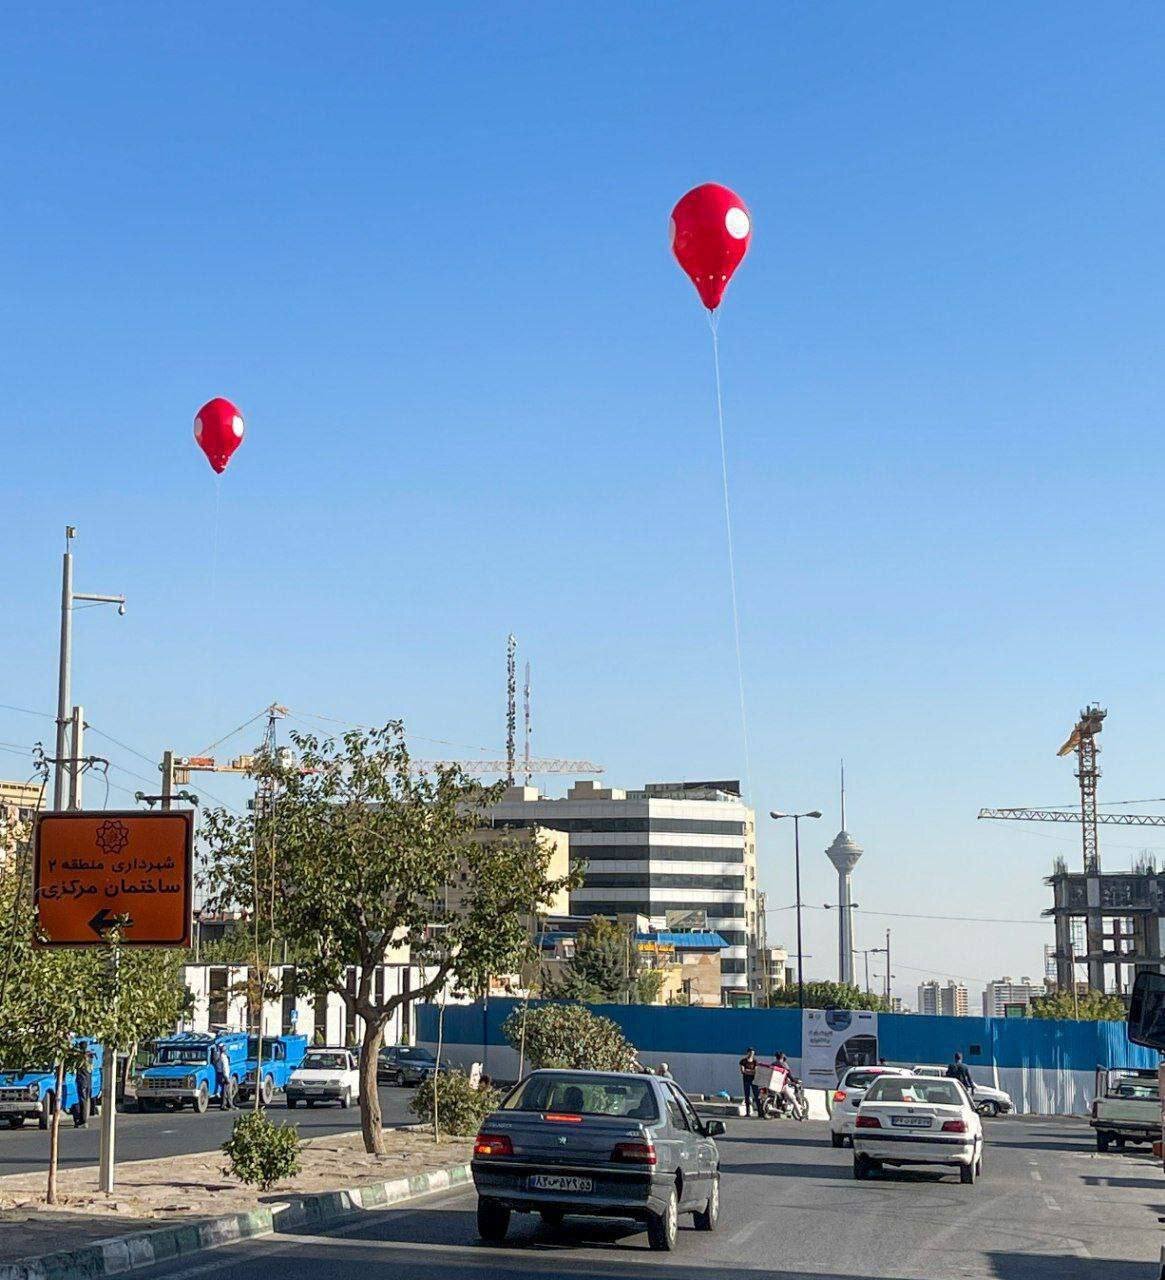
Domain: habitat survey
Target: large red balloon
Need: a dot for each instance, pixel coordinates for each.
(710, 233)
(218, 428)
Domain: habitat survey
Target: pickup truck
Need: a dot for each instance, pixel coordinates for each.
(31, 1094)
(281, 1055)
(1127, 1107)
(181, 1073)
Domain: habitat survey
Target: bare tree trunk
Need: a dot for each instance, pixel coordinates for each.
(371, 1124)
(55, 1134)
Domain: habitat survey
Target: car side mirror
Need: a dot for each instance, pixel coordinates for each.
(713, 1128)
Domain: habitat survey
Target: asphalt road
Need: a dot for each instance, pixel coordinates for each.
(1048, 1206)
(176, 1133)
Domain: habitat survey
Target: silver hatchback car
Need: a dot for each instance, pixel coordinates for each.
(605, 1144)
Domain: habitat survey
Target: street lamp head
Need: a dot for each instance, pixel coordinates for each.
(813, 813)
(121, 610)
(776, 813)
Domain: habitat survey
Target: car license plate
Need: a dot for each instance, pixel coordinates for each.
(559, 1182)
(911, 1122)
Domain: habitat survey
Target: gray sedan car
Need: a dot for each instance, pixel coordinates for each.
(604, 1144)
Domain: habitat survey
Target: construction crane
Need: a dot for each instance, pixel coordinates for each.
(1082, 741)
(184, 766)
(532, 765)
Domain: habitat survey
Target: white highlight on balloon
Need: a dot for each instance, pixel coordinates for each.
(736, 223)
(671, 230)
(237, 426)
(198, 428)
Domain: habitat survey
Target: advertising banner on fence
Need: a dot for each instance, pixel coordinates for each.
(833, 1040)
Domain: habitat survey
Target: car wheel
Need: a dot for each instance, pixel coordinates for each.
(493, 1221)
(1102, 1140)
(662, 1228)
(46, 1112)
(990, 1109)
(967, 1174)
(861, 1167)
(202, 1098)
(292, 1103)
(309, 1103)
(979, 1164)
(268, 1090)
(838, 1139)
(552, 1218)
(345, 1099)
(1120, 1144)
(707, 1217)
(16, 1122)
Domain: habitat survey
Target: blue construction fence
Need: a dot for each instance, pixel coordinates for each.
(907, 1038)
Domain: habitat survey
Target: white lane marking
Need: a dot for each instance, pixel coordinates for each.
(746, 1233)
(1051, 1204)
(1037, 1176)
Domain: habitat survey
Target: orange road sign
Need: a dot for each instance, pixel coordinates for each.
(94, 871)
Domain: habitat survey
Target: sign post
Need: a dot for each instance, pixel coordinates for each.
(121, 878)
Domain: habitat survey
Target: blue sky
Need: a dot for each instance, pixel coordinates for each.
(426, 254)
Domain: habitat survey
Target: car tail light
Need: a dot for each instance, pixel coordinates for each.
(954, 1126)
(493, 1144)
(561, 1117)
(839, 1095)
(867, 1122)
(633, 1153)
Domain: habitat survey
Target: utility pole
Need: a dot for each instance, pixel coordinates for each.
(887, 968)
(65, 666)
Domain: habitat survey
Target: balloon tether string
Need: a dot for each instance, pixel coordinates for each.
(712, 324)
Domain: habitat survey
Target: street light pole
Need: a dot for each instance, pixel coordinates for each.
(776, 815)
(67, 751)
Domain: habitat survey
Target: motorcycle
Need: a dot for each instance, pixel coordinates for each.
(775, 1106)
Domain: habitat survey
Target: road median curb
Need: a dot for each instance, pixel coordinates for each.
(117, 1255)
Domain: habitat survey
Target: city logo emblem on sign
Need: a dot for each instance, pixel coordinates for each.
(112, 837)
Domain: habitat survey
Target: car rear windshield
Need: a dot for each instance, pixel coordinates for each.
(1132, 1088)
(944, 1093)
(326, 1062)
(585, 1095)
(417, 1055)
(861, 1079)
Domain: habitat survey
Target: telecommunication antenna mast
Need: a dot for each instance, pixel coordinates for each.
(511, 707)
(526, 694)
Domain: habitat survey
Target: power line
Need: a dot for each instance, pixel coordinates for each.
(910, 915)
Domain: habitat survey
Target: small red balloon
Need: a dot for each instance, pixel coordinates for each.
(218, 429)
(710, 233)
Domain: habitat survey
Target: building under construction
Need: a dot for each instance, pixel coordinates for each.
(1110, 923)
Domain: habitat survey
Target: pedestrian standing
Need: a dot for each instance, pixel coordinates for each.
(221, 1061)
(80, 1108)
(748, 1080)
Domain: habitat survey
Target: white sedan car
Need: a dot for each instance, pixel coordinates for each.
(988, 1101)
(919, 1120)
(848, 1096)
(325, 1075)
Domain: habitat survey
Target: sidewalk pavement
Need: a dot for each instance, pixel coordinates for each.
(181, 1205)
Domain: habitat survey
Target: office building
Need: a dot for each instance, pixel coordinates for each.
(681, 854)
(948, 1001)
(1006, 991)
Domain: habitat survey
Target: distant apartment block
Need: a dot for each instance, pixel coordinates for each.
(947, 1000)
(1006, 991)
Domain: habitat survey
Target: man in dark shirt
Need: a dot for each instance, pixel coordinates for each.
(958, 1071)
(748, 1081)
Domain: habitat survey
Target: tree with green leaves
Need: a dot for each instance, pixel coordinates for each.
(568, 1037)
(605, 968)
(828, 995)
(368, 855)
(1086, 1006)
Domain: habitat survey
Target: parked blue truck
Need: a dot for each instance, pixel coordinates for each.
(281, 1055)
(31, 1094)
(180, 1073)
